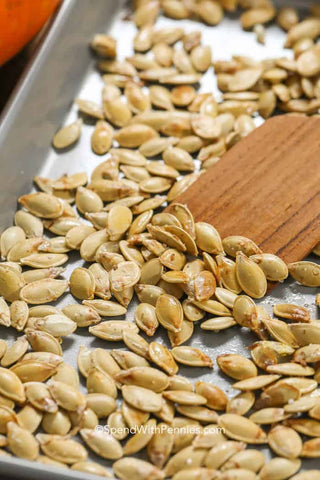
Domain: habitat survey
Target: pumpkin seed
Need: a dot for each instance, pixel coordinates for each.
(43, 291)
(67, 135)
(61, 449)
(31, 225)
(130, 468)
(104, 45)
(250, 277)
(15, 352)
(66, 396)
(21, 442)
(186, 458)
(306, 273)
(160, 446)
(227, 272)
(219, 454)
(162, 357)
(255, 382)
(146, 377)
(242, 429)
(4, 313)
(236, 366)
(241, 403)
(169, 312)
(141, 398)
(191, 356)
(57, 325)
(285, 441)
(249, 459)
(112, 331)
(280, 468)
(43, 341)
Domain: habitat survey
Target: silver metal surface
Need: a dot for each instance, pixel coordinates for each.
(64, 69)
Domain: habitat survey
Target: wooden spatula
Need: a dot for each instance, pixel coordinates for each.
(267, 188)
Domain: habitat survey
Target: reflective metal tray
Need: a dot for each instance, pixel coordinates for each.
(62, 70)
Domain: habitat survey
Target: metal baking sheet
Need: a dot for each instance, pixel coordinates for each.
(64, 69)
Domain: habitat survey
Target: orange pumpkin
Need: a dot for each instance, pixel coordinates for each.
(20, 20)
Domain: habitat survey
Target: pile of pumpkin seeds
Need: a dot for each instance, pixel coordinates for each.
(183, 274)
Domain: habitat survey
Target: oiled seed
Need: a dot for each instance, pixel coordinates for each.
(162, 357)
(4, 313)
(187, 457)
(118, 222)
(208, 239)
(227, 273)
(250, 277)
(160, 446)
(183, 397)
(104, 45)
(241, 403)
(21, 442)
(179, 159)
(280, 468)
(218, 323)
(267, 416)
(102, 443)
(248, 459)
(135, 135)
(57, 325)
(206, 126)
(212, 306)
(293, 312)
(66, 396)
(62, 449)
(281, 332)
(145, 377)
(191, 356)
(169, 312)
(15, 352)
(43, 291)
(290, 369)
(221, 452)
(285, 441)
(236, 366)
(43, 341)
(33, 369)
(112, 331)
(125, 275)
(306, 333)
(306, 273)
(234, 244)
(106, 308)
(130, 468)
(216, 398)
(142, 398)
(40, 397)
(31, 225)
(91, 468)
(273, 267)
(82, 284)
(29, 418)
(10, 237)
(146, 319)
(255, 382)
(242, 429)
(83, 315)
(44, 260)
(11, 386)
(68, 135)
(245, 312)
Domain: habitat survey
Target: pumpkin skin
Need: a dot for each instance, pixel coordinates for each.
(20, 20)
